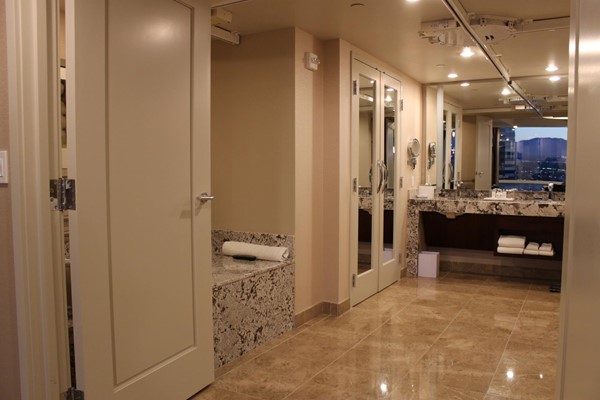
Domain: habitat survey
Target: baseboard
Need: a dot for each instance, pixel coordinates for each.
(323, 308)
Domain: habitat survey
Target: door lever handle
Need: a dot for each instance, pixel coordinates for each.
(203, 198)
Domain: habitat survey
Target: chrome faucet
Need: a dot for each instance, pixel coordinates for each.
(551, 191)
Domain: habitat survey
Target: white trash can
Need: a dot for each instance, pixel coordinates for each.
(429, 264)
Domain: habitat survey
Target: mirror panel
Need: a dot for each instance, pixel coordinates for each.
(390, 120)
(367, 175)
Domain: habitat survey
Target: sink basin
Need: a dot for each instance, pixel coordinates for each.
(499, 198)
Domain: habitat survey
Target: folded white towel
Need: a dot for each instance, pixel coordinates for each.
(509, 250)
(546, 253)
(546, 247)
(532, 246)
(530, 252)
(511, 241)
(269, 253)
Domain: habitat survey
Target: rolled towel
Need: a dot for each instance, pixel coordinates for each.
(269, 253)
(511, 241)
(546, 247)
(509, 250)
(530, 252)
(532, 246)
(546, 253)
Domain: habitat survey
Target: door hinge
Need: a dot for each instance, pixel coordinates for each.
(401, 183)
(402, 105)
(353, 280)
(355, 87)
(62, 194)
(73, 394)
(354, 185)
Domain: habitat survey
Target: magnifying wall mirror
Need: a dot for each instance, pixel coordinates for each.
(414, 150)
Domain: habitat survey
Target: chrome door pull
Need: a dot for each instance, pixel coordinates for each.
(204, 197)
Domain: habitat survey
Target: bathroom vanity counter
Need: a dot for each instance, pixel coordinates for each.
(538, 215)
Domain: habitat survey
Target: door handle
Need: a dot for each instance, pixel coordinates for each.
(203, 198)
(380, 185)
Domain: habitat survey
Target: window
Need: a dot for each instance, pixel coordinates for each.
(529, 158)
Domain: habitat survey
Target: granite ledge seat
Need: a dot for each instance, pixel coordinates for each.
(226, 269)
(253, 301)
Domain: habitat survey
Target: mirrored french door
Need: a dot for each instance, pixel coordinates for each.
(375, 230)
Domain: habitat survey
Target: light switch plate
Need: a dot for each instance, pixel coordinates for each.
(3, 166)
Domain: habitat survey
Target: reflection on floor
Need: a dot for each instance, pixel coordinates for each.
(456, 337)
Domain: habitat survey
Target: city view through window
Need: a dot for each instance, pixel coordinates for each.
(529, 158)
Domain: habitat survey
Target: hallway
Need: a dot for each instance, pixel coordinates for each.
(458, 337)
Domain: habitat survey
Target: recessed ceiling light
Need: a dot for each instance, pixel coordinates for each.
(390, 89)
(551, 68)
(452, 75)
(515, 126)
(465, 84)
(554, 78)
(505, 91)
(411, 1)
(357, 5)
(466, 52)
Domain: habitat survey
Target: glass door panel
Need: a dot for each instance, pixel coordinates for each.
(369, 178)
(389, 266)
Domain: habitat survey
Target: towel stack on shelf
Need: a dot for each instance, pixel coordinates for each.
(509, 244)
(546, 250)
(532, 249)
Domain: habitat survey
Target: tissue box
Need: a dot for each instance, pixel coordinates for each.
(426, 192)
(429, 264)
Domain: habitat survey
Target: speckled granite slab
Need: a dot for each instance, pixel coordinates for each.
(253, 301)
(445, 205)
(365, 200)
(249, 312)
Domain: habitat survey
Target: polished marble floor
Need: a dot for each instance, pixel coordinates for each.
(456, 337)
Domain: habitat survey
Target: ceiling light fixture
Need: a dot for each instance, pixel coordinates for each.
(452, 75)
(465, 84)
(467, 52)
(551, 68)
(412, 1)
(505, 91)
(554, 78)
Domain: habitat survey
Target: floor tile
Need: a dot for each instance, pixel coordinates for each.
(461, 336)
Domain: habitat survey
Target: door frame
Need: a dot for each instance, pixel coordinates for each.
(33, 71)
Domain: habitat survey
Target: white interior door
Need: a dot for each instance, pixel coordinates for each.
(367, 173)
(483, 159)
(390, 97)
(139, 148)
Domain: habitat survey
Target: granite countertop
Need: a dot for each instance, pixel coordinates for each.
(465, 205)
(226, 269)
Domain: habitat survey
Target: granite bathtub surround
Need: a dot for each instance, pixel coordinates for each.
(452, 206)
(253, 301)
(265, 239)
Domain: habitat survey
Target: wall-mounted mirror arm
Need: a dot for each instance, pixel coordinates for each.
(414, 150)
(462, 17)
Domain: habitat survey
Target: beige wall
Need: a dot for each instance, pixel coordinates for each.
(310, 274)
(9, 362)
(469, 150)
(336, 171)
(253, 133)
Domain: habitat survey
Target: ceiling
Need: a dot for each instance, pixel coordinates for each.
(389, 29)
